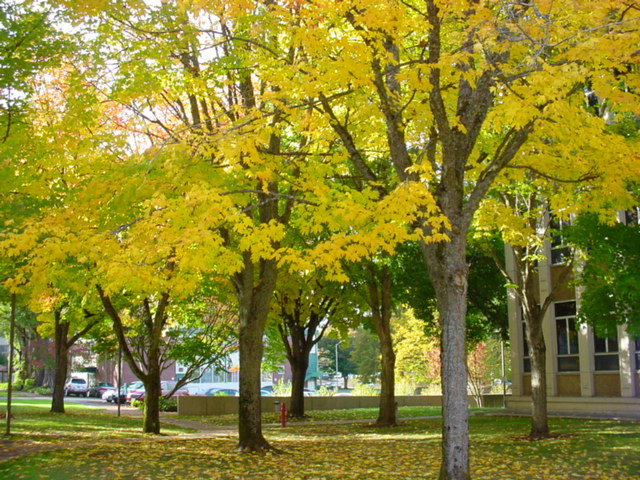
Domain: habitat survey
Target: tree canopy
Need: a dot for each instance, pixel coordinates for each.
(185, 141)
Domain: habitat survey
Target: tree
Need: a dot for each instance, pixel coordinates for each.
(66, 333)
(305, 307)
(365, 355)
(527, 208)
(417, 351)
(153, 333)
(332, 350)
(457, 92)
(609, 272)
(378, 283)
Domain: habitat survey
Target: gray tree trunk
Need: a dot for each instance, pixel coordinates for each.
(448, 272)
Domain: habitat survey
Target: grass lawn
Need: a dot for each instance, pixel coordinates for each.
(324, 415)
(93, 445)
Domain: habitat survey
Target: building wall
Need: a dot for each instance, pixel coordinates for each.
(593, 373)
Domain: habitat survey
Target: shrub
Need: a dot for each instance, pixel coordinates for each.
(365, 390)
(325, 391)
(282, 389)
(42, 390)
(28, 383)
(168, 404)
(165, 404)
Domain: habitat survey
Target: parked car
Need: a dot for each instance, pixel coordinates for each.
(222, 392)
(110, 396)
(76, 386)
(135, 390)
(165, 387)
(98, 389)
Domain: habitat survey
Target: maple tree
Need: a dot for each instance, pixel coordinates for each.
(304, 308)
(378, 282)
(527, 205)
(66, 333)
(536, 209)
(458, 92)
(417, 352)
(421, 105)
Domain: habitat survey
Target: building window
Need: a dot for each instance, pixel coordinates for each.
(567, 337)
(525, 350)
(638, 353)
(606, 353)
(559, 251)
(632, 216)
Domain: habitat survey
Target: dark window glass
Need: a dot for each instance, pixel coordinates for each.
(561, 332)
(573, 336)
(631, 216)
(559, 251)
(609, 362)
(565, 309)
(605, 345)
(567, 337)
(569, 363)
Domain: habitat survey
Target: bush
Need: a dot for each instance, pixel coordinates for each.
(165, 404)
(364, 390)
(325, 391)
(168, 404)
(282, 389)
(42, 390)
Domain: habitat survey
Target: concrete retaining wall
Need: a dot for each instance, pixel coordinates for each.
(201, 405)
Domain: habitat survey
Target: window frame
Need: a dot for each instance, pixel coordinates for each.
(570, 360)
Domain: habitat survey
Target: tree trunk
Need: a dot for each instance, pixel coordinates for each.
(250, 409)
(152, 392)
(537, 355)
(61, 332)
(299, 365)
(380, 303)
(387, 411)
(448, 272)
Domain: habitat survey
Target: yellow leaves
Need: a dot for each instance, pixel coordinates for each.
(259, 240)
(514, 227)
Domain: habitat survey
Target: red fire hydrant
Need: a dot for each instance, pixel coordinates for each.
(283, 414)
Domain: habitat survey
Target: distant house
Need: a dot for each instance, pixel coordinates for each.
(585, 373)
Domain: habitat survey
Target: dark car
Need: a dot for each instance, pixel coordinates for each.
(98, 389)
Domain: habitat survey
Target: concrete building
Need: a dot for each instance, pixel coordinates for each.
(585, 373)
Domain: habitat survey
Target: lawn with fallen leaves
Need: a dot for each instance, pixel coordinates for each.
(98, 447)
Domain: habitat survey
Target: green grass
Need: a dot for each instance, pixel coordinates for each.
(34, 423)
(322, 415)
(102, 446)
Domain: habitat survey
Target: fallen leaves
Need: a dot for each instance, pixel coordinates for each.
(582, 450)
